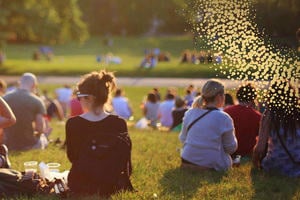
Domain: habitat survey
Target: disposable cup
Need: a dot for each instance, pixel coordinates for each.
(30, 167)
(53, 167)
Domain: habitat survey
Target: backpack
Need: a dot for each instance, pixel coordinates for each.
(15, 183)
(103, 165)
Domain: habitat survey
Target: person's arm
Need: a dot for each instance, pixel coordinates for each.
(229, 142)
(39, 123)
(259, 149)
(7, 117)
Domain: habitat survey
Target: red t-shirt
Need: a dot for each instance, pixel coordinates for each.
(246, 123)
(75, 108)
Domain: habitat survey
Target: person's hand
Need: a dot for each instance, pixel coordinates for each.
(257, 157)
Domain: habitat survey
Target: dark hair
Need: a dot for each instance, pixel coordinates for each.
(283, 104)
(118, 92)
(179, 102)
(99, 84)
(170, 96)
(152, 97)
(246, 93)
(228, 99)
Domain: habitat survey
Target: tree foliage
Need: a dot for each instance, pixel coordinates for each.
(132, 16)
(47, 21)
(278, 17)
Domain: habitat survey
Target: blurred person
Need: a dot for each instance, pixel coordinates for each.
(75, 106)
(121, 105)
(178, 113)
(29, 109)
(94, 91)
(207, 132)
(53, 107)
(246, 119)
(278, 145)
(63, 95)
(150, 109)
(165, 110)
(157, 93)
(228, 100)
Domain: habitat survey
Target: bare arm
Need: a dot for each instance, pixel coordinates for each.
(7, 117)
(39, 124)
(260, 147)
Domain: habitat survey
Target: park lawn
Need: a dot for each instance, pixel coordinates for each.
(157, 173)
(74, 58)
(156, 166)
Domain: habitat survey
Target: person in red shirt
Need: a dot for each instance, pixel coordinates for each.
(246, 119)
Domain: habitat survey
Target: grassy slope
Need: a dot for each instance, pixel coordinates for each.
(74, 58)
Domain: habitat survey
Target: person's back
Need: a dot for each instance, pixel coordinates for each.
(26, 107)
(207, 133)
(165, 111)
(98, 143)
(246, 120)
(150, 109)
(280, 131)
(121, 105)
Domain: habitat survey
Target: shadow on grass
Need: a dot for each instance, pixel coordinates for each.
(274, 186)
(184, 183)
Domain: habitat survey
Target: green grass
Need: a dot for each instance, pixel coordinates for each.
(156, 167)
(74, 58)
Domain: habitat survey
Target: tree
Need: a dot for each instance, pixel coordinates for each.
(47, 21)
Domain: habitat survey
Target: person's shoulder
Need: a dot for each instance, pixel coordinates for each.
(222, 115)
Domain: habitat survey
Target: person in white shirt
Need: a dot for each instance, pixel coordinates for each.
(121, 105)
(210, 141)
(165, 111)
(64, 95)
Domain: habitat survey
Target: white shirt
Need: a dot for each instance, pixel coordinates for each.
(165, 112)
(210, 141)
(121, 107)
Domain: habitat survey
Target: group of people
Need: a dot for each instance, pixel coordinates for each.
(212, 137)
(202, 56)
(153, 56)
(211, 134)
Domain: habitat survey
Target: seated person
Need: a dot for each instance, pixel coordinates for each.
(279, 132)
(84, 134)
(177, 114)
(246, 119)
(210, 141)
(29, 109)
(121, 105)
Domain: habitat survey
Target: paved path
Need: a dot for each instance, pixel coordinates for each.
(127, 81)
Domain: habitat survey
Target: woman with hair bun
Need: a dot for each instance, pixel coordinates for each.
(97, 169)
(208, 133)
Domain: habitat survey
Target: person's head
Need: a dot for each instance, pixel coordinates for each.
(3, 87)
(29, 82)
(118, 92)
(228, 99)
(96, 88)
(212, 93)
(170, 96)
(283, 105)
(179, 102)
(151, 97)
(246, 93)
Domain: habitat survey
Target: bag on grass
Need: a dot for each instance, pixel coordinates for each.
(15, 183)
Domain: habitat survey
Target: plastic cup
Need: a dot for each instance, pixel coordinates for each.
(53, 167)
(30, 167)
